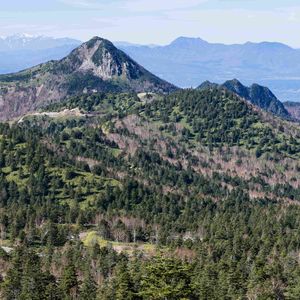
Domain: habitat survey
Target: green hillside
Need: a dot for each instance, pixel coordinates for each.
(194, 195)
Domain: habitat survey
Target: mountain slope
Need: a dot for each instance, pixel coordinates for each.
(94, 66)
(270, 64)
(195, 194)
(293, 108)
(256, 94)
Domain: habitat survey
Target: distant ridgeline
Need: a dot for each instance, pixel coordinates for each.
(186, 62)
(114, 184)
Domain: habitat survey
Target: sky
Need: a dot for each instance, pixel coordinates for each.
(155, 21)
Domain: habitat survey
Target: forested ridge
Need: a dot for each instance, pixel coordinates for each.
(193, 195)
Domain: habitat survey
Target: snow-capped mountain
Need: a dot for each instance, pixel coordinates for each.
(21, 51)
(33, 42)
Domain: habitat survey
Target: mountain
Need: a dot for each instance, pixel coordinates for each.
(28, 42)
(258, 95)
(207, 85)
(267, 63)
(96, 65)
(237, 87)
(293, 108)
(21, 51)
(192, 195)
(110, 193)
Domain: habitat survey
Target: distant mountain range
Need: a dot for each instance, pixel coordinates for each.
(98, 66)
(256, 94)
(185, 62)
(188, 61)
(28, 42)
(22, 51)
(95, 66)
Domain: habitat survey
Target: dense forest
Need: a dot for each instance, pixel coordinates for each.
(194, 195)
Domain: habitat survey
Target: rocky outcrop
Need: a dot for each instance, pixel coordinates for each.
(256, 94)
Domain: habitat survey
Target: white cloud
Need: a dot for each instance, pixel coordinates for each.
(135, 5)
(84, 3)
(160, 5)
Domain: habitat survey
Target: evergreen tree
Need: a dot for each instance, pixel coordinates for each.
(68, 282)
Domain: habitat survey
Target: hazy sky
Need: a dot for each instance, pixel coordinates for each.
(155, 21)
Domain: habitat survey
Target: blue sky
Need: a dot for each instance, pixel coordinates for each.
(156, 21)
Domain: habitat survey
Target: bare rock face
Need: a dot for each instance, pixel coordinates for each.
(96, 65)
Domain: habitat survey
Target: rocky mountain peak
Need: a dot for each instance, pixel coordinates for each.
(101, 58)
(96, 65)
(237, 87)
(207, 85)
(256, 94)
